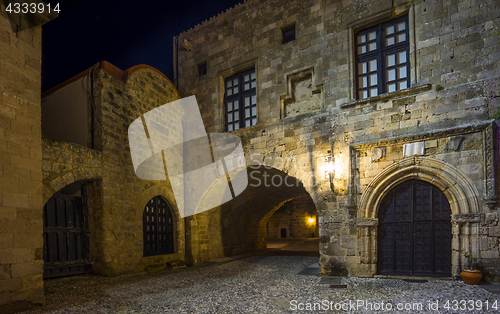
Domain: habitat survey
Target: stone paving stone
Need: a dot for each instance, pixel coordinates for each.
(256, 284)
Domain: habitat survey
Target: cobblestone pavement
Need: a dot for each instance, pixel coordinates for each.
(259, 284)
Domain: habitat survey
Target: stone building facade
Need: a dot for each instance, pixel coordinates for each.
(402, 160)
(116, 198)
(21, 242)
(324, 101)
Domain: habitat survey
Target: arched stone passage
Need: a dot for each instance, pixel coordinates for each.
(65, 163)
(298, 217)
(243, 220)
(461, 194)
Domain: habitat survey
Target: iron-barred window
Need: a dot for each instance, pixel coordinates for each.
(382, 58)
(158, 228)
(240, 100)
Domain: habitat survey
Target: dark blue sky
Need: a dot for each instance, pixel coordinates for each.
(123, 32)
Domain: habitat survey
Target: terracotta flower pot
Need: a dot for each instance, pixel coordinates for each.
(471, 276)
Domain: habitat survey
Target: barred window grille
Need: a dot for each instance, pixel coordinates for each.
(158, 228)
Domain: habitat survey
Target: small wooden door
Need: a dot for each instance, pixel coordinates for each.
(65, 237)
(414, 232)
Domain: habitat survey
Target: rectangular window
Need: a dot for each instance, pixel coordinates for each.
(382, 58)
(240, 100)
(288, 34)
(202, 69)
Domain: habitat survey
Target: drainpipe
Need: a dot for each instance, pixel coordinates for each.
(176, 62)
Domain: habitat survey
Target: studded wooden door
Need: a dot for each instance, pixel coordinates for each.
(414, 232)
(65, 237)
(158, 228)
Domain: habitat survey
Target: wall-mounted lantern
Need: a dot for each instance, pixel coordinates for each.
(329, 173)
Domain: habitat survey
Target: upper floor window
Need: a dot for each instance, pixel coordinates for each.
(202, 68)
(158, 228)
(382, 58)
(240, 100)
(288, 34)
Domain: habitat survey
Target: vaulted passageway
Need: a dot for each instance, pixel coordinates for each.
(243, 220)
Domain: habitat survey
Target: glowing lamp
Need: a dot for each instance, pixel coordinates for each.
(328, 167)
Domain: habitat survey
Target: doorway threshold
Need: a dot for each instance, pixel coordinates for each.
(412, 277)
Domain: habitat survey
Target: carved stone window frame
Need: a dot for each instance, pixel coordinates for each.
(380, 18)
(222, 75)
(293, 78)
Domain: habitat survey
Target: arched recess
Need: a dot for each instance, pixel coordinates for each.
(167, 195)
(460, 192)
(158, 228)
(64, 163)
(65, 179)
(66, 229)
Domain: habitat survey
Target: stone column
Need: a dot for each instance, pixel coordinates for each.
(367, 246)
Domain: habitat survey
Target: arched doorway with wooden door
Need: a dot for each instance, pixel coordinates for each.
(66, 243)
(414, 231)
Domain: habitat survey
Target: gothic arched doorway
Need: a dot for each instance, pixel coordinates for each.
(414, 231)
(158, 228)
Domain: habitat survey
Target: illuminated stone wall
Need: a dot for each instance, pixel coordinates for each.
(117, 197)
(21, 241)
(117, 228)
(449, 106)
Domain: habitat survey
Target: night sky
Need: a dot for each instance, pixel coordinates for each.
(123, 32)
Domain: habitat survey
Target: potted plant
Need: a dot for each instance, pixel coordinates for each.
(471, 275)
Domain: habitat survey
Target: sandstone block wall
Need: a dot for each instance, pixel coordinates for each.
(449, 106)
(64, 163)
(116, 195)
(117, 226)
(21, 241)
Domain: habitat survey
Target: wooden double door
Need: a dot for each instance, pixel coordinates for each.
(65, 236)
(414, 231)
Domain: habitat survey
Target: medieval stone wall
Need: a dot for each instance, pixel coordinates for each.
(116, 195)
(21, 241)
(449, 106)
(117, 226)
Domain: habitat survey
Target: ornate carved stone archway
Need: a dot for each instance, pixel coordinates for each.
(460, 192)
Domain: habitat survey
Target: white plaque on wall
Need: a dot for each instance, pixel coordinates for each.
(411, 149)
